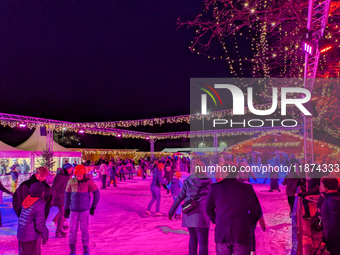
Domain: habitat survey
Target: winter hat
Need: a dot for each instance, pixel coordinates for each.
(330, 183)
(67, 166)
(37, 189)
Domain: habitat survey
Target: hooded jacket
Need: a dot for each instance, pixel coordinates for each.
(175, 186)
(194, 186)
(77, 195)
(24, 190)
(31, 223)
(59, 186)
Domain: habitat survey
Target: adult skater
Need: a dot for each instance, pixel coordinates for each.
(157, 180)
(330, 214)
(292, 181)
(103, 171)
(77, 205)
(234, 215)
(129, 167)
(143, 166)
(58, 193)
(113, 173)
(3, 189)
(195, 187)
(24, 190)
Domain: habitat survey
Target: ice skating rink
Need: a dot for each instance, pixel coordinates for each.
(120, 226)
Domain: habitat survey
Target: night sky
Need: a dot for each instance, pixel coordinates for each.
(87, 61)
(99, 60)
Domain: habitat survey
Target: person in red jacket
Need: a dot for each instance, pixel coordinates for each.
(78, 206)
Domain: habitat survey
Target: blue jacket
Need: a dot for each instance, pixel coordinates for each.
(157, 178)
(112, 170)
(32, 222)
(77, 195)
(175, 186)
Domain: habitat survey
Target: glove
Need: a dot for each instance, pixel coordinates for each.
(44, 241)
(67, 213)
(92, 210)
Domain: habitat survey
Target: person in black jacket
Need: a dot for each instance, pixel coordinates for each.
(234, 207)
(3, 189)
(330, 214)
(313, 189)
(292, 181)
(24, 190)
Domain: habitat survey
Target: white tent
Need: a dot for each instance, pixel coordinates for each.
(7, 151)
(37, 143)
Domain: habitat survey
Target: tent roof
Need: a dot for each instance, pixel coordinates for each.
(7, 151)
(37, 143)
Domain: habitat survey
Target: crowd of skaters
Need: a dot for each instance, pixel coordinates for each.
(230, 203)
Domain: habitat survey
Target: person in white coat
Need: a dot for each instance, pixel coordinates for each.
(103, 171)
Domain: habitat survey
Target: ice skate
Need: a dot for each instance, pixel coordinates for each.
(73, 249)
(60, 233)
(86, 250)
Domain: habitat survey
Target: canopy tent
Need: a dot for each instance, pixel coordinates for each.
(7, 151)
(37, 143)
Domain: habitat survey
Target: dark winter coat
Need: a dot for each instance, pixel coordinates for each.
(77, 195)
(292, 181)
(3, 189)
(32, 222)
(234, 207)
(330, 213)
(24, 190)
(168, 175)
(157, 179)
(59, 186)
(313, 188)
(196, 218)
(112, 171)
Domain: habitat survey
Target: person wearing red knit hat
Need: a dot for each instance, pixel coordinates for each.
(77, 206)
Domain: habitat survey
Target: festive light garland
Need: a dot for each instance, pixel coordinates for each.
(287, 144)
(294, 134)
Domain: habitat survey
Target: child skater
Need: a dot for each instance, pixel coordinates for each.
(32, 225)
(175, 186)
